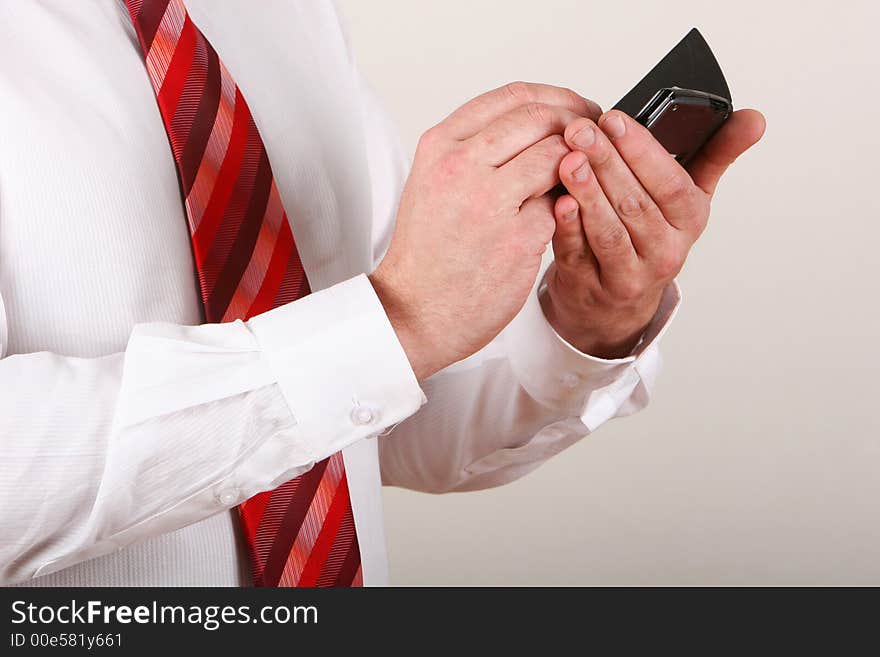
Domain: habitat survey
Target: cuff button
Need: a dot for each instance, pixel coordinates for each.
(227, 496)
(571, 380)
(362, 415)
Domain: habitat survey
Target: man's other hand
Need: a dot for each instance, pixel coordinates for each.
(625, 228)
(475, 218)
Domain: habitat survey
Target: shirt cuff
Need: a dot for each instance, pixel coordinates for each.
(339, 364)
(557, 374)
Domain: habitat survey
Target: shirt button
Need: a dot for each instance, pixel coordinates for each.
(362, 415)
(228, 496)
(571, 380)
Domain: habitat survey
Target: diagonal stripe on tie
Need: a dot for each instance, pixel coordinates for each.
(147, 16)
(303, 532)
(202, 124)
(284, 532)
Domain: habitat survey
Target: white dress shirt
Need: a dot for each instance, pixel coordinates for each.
(129, 432)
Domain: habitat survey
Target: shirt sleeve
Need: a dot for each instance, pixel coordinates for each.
(527, 396)
(187, 422)
(560, 377)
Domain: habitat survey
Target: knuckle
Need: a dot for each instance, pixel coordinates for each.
(675, 190)
(556, 145)
(695, 217)
(430, 139)
(601, 152)
(571, 99)
(592, 201)
(705, 209)
(519, 91)
(668, 262)
(638, 151)
(492, 137)
(552, 150)
(612, 238)
(569, 259)
(634, 205)
(480, 143)
(629, 289)
(538, 113)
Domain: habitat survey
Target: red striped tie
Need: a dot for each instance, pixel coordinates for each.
(301, 534)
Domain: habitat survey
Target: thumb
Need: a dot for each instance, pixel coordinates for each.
(742, 131)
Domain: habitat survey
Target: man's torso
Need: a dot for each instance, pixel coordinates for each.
(93, 235)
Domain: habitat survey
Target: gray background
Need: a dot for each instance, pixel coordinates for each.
(758, 461)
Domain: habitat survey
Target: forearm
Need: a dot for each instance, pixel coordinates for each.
(189, 421)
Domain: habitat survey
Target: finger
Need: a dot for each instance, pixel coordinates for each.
(476, 114)
(534, 172)
(671, 187)
(570, 247)
(608, 238)
(742, 130)
(537, 222)
(512, 133)
(632, 204)
(542, 206)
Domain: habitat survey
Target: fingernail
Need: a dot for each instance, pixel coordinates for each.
(594, 107)
(571, 215)
(614, 126)
(584, 137)
(582, 172)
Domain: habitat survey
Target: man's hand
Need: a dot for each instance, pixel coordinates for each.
(625, 228)
(474, 220)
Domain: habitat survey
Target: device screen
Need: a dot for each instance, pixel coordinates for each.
(684, 120)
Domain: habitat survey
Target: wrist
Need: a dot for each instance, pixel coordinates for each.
(608, 335)
(408, 325)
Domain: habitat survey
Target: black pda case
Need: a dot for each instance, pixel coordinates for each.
(684, 100)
